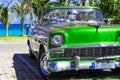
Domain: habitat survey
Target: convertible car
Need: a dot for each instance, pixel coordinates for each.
(74, 38)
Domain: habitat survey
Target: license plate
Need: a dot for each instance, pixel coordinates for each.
(103, 65)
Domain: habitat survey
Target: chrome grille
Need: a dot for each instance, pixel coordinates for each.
(92, 52)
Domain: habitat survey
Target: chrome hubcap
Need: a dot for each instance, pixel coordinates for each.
(43, 66)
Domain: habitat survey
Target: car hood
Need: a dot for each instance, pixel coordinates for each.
(77, 35)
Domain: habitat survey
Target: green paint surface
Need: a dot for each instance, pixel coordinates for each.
(78, 35)
(63, 7)
(58, 60)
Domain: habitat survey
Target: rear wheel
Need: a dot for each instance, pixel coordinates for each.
(42, 63)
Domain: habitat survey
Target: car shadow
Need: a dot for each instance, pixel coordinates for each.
(86, 74)
(26, 69)
(22, 65)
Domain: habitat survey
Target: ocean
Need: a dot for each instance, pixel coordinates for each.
(13, 30)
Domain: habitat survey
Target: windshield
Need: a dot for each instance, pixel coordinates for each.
(82, 15)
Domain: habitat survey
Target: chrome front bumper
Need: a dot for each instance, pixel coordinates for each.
(77, 65)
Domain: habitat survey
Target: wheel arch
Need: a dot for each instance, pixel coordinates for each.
(28, 42)
(42, 47)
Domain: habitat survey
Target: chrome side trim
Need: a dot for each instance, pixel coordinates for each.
(42, 39)
(57, 50)
(95, 45)
(88, 46)
(108, 57)
(87, 58)
(117, 64)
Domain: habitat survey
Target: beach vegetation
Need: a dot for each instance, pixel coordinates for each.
(5, 16)
(110, 8)
(22, 10)
(38, 6)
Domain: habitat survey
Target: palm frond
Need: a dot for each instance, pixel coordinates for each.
(4, 16)
(22, 10)
(38, 6)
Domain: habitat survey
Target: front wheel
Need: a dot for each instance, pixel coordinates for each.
(42, 63)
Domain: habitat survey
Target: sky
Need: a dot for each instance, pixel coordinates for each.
(14, 18)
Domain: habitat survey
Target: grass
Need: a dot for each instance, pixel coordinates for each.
(14, 38)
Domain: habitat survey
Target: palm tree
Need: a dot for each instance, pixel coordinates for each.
(1, 6)
(22, 10)
(30, 10)
(63, 2)
(83, 2)
(38, 6)
(5, 18)
(69, 2)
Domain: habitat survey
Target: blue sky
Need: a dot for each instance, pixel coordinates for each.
(14, 18)
(4, 1)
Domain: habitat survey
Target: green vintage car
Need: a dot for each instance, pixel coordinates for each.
(74, 38)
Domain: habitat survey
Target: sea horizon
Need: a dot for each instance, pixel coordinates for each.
(14, 29)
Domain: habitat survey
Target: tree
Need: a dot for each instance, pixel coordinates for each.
(38, 6)
(35, 9)
(30, 10)
(4, 16)
(83, 2)
(1, 6)
(110, 8)
(22, 10)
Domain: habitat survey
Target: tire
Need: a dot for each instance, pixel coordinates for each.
(42, 64)
(31, 55)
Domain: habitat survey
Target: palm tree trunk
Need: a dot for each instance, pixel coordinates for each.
(60, 2)
(6, 27)
(31, 16)
(78, 2)
(69, 2)
(22, 23)
(22, 30)
(83, 2)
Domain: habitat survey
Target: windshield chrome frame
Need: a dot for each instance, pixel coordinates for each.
(100, 17)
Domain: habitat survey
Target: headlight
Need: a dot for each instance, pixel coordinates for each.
(57, 39)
